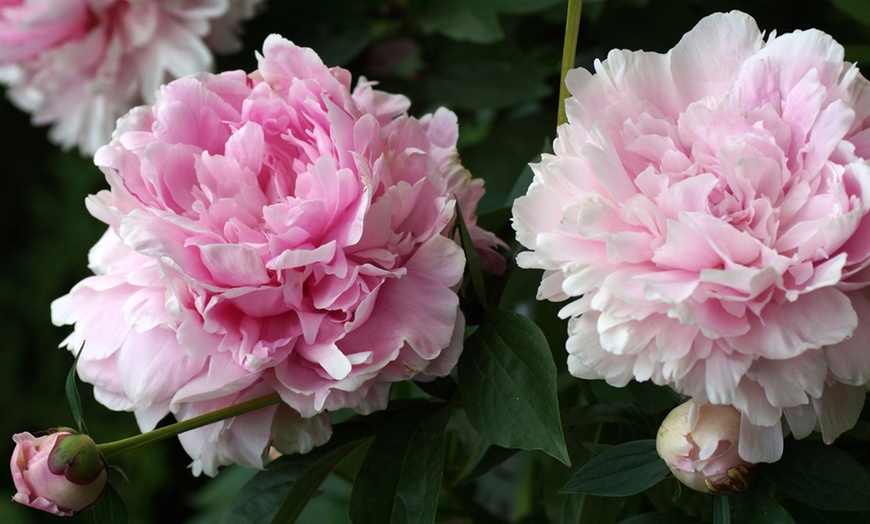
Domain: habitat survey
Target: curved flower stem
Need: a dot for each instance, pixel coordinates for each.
(569, 51)
(112, 448)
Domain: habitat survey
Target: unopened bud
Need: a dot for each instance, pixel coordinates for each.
(60, 473)
(698, 442)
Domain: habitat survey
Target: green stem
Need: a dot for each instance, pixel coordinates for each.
(112, 448)
(569, 51)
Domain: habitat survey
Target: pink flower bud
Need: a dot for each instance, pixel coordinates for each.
(60, 473)
(698, 442)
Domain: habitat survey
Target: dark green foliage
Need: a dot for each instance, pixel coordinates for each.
(507, 382)
(620, 471)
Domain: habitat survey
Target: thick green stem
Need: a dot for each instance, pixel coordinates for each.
(112, 448)
(569, 51)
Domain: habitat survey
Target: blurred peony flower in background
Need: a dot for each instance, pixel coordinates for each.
(78, 65)
(273, 232)
(699, 445)
(706, 210)
(61, 473)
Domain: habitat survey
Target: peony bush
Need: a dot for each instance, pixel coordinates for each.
(300, 279)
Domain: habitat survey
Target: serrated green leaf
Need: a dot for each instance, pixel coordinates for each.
(470, 20)
(507, 382)
(820, 476)
(400, 478)
(755, 507)
(620, 471)
(73, 397)
(111, 508)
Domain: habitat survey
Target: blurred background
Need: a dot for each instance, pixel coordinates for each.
(494, 62)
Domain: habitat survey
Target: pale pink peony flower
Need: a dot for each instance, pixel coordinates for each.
(78, 65)
(60, 473)
(699, 445)
(706, 210)
(277, 232)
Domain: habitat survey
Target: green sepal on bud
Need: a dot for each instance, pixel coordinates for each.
(76, 457)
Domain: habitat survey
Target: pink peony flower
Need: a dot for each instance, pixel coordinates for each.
(699, 445)
(277, 232)
(60, 473)
(706, 210)
(78, 65)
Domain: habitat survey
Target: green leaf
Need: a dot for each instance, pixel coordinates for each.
(525, 6)
(803, 514)
(72, 395)
(259, 499)
(442, 387)
(495, 220)
(480, 77)
(620, 471)
(857, 9)
(493, 457)
(616, 413)
(340, 32)
(653, 398)
(471, 260)
(507, 382)
(341, 47)
(504, 153)
(755, 507)
(308, 481)
(721, 510)
(820, 476)
(571, 508)
(400, 478)
(471, 20)
(111, 508)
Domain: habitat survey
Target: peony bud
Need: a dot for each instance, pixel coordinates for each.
(60, 473)
(699, 445)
